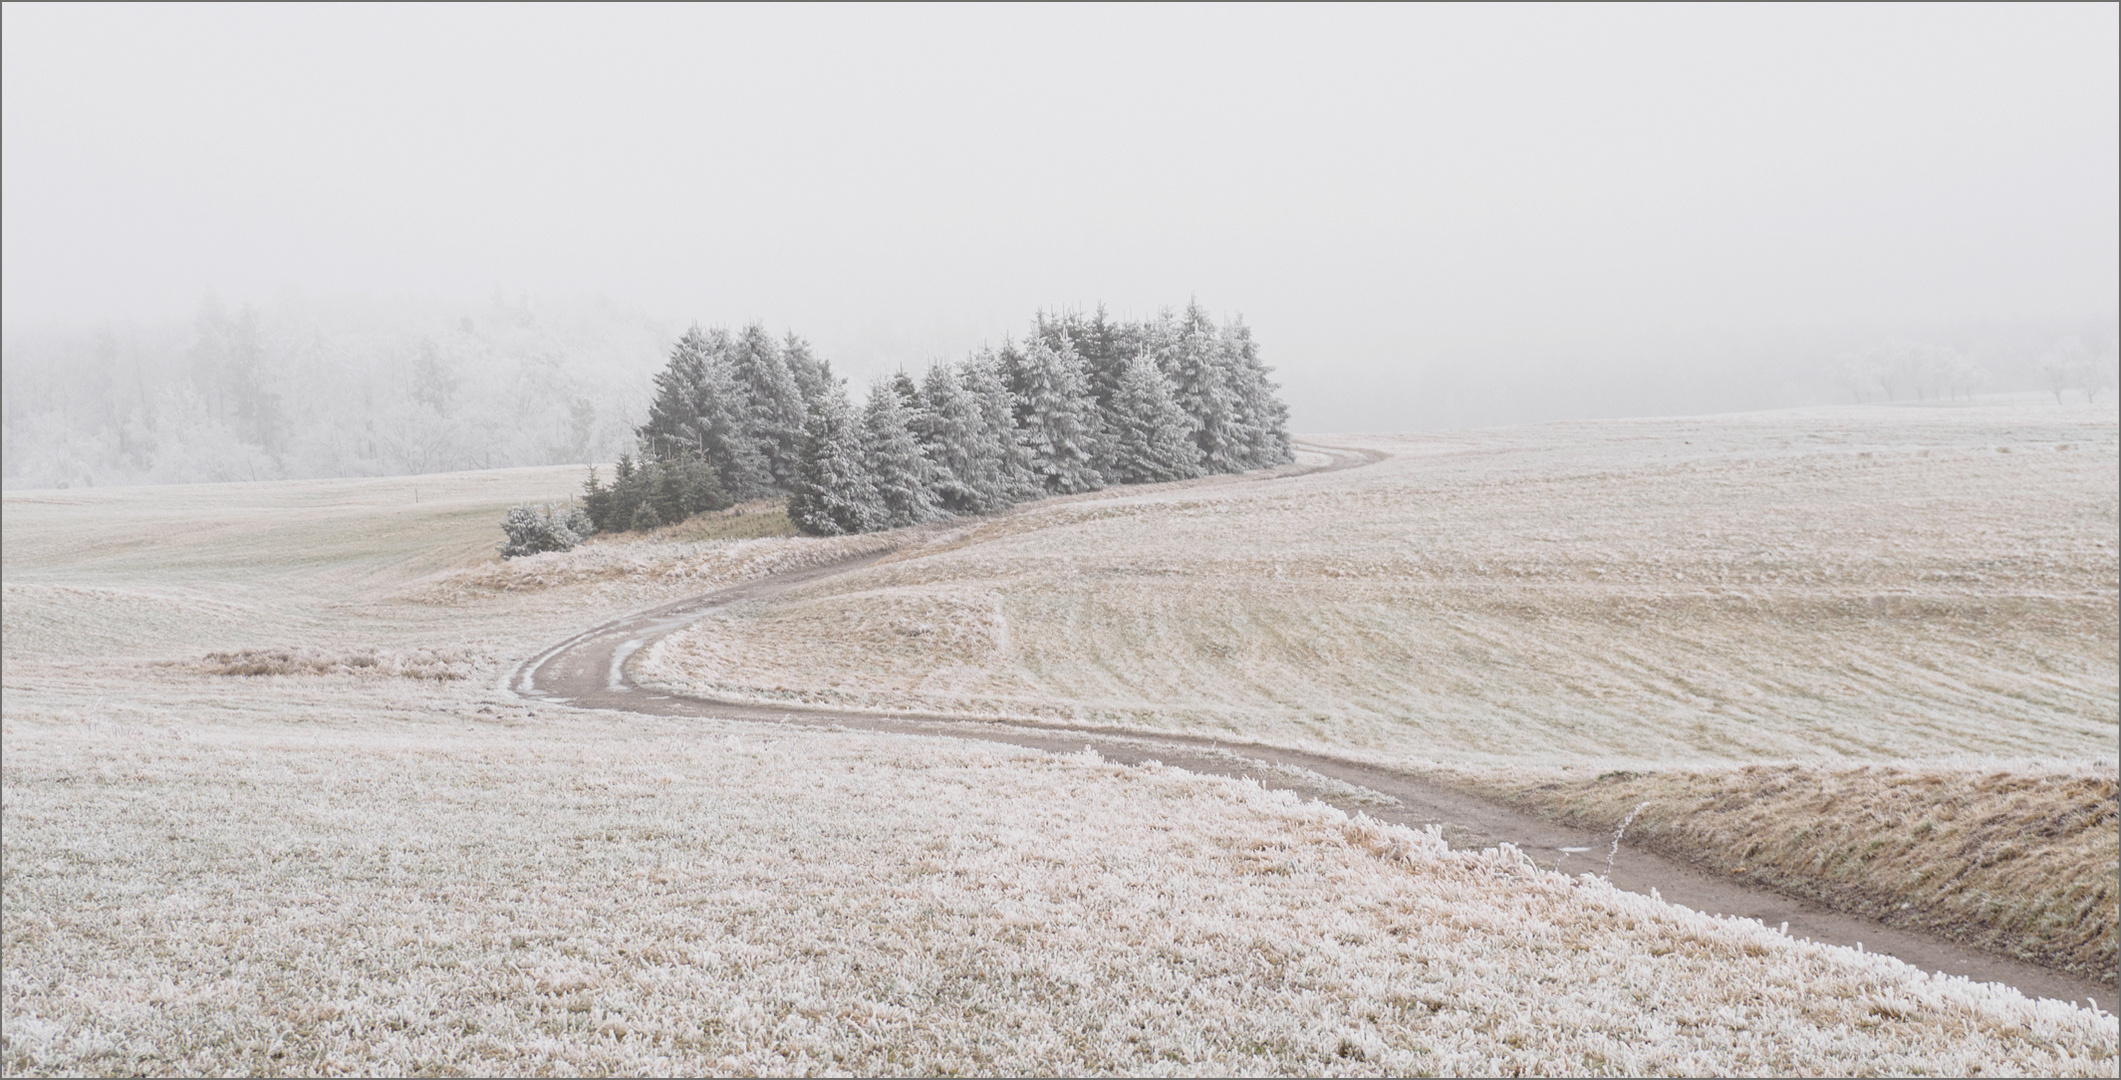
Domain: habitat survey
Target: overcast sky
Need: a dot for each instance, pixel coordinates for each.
(1428, 214)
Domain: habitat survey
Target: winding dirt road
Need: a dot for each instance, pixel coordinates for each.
(590, 671)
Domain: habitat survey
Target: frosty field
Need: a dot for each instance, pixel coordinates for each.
(1868, 583)
(386, 862)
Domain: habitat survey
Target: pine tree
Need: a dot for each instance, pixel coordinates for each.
(813, 377)
(774, 402)
(701, 487)
(899, 471)
(645, 517)
(674, 412)
(612, 509)
(997, 467)
(1061, 428)
(1101, 341)
(700, 413)
(1008, 363)
(1262, 419)
(909, 395)
(832, 493)
(682, 487)
(1200, 371)
(1083, 402)
(1153, 437)
(947, 426)
(596, 502)
(1243, 440)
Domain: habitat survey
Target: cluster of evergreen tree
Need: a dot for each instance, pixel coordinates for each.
(726, 425)
(652, 492)
(1083, 402)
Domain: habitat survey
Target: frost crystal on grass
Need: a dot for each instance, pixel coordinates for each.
(394, 875)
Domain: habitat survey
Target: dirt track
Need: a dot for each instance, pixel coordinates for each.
(589, 671)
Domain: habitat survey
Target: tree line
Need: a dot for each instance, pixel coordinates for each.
(300, 388)
(1084, 401)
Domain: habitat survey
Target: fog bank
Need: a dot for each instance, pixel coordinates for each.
(1431, 217)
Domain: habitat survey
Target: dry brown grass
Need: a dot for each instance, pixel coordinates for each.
(747, 521)
(2020, 860)
(388, 663)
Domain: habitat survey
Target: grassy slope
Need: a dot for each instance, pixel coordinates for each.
(1836, 585)
(456, 890)
(1871, 584)
(362, 872)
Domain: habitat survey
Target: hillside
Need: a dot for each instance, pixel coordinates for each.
(383, 860)
(1859, 583)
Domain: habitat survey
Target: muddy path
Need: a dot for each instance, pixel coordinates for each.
(590, 671)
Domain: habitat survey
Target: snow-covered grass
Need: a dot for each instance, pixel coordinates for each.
(1859, 582)
(174, 572)
(359, 871)
(1869, 584)
(455, 892)
(646, 566)
(342, 537)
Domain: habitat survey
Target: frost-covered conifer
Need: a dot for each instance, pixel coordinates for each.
(1199, 368)
(611, 508)
(699, 413)
(1084, 402)
(1242, 440)
(774, 409)
(1104, 346)
(1102, 342)
(1060, 428)
(899, 472)
(1152, 436)
(996, 467)
(813, 377)
(947, 425)
(684, 486)
(676, 487)
(1262, 419)
(832, 491)
(909, 395)
(672, 414)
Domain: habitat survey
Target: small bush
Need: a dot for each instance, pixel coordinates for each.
(532, 529)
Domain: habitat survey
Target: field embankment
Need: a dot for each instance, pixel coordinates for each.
(2019, 859)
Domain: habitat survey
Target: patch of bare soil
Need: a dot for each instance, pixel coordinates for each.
(2017, 860)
